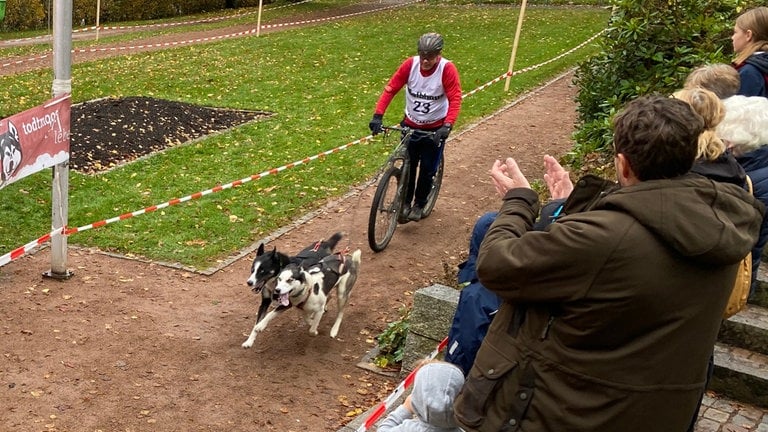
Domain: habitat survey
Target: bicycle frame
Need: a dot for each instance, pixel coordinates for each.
(401, 160)
(389, 200)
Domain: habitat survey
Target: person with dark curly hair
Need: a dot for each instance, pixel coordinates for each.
(623, 294)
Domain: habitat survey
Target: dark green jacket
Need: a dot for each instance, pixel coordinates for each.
(610, 315)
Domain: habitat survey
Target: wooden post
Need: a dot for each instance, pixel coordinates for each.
(98, 12)
(258, 20)
(514, 45)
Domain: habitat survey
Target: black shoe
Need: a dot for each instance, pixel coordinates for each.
(404, 212)
(416, 213)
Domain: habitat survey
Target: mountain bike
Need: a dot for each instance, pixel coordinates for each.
(388, 206)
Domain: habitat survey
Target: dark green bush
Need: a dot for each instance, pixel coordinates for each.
(649, 46)
(24, 14)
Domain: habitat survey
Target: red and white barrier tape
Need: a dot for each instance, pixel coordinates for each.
(41, 38)
(23, 250)
(19, 252)
(534, 67)
(399, 390)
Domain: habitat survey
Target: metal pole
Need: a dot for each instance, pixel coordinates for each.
(258, 20)
(98, 12)
(62, 84)
(514, 45)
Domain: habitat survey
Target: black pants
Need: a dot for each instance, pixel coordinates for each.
(425, 158)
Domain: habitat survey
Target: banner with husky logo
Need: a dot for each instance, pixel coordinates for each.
(35, 139)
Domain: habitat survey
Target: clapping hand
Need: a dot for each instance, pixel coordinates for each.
(557, 178)
(507, 175)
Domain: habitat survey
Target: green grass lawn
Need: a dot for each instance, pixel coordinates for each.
(321, 81)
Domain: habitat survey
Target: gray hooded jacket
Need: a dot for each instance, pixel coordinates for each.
(434, 389)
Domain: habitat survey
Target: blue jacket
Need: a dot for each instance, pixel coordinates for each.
(476, 307)
(753, 74)
(755, 163)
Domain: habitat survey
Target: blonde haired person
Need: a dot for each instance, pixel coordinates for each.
(720, 78)
(744, 131)
(713, 160)
(750, 43)
(710, 108)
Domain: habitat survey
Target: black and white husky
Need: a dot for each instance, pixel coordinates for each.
(308, 288)
(267, 265)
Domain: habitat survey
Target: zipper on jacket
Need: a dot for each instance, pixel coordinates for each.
(545, 332)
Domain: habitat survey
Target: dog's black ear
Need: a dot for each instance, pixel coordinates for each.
(273, 253)
(283, 259)
(260, 250)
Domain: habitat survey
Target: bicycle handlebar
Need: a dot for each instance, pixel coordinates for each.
(406, 129)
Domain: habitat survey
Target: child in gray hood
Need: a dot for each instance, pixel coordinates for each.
(429, 407)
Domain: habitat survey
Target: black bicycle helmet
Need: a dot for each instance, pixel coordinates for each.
(430, 43)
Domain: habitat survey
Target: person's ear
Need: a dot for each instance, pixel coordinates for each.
(624, 172)
(749, 35)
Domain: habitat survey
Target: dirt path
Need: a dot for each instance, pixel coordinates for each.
(126, 345)
(132, 346)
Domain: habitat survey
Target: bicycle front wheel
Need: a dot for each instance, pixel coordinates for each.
(384, 210)
(437, 181)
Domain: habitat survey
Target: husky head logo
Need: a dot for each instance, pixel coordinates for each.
(10, 153)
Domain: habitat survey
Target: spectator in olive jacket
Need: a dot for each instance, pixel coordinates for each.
(624, 293)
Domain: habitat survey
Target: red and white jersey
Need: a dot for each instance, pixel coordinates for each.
(433, 97)
(425, 99)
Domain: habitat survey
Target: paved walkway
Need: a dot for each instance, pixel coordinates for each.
(716, 415)
(723, 415)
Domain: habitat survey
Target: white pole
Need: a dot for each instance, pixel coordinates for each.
(98, 12)
(514, 45)
(62, 84)
(258, 20)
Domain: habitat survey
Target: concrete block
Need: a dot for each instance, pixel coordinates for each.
(430, 320)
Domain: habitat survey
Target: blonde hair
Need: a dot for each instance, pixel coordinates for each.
(720, 78)
(745, 126)
(711, 109)
(756, 21)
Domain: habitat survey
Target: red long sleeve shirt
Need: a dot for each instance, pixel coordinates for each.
(451, 85)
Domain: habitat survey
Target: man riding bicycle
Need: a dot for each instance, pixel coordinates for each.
(432, 103)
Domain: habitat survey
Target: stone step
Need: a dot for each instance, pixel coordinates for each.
(760, 297)
(741, 375)
(748, 329)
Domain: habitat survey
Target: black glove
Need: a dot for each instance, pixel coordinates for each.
(375, 124)
(442, 133)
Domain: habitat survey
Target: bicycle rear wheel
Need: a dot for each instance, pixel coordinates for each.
(437, 181)
(385, 208)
